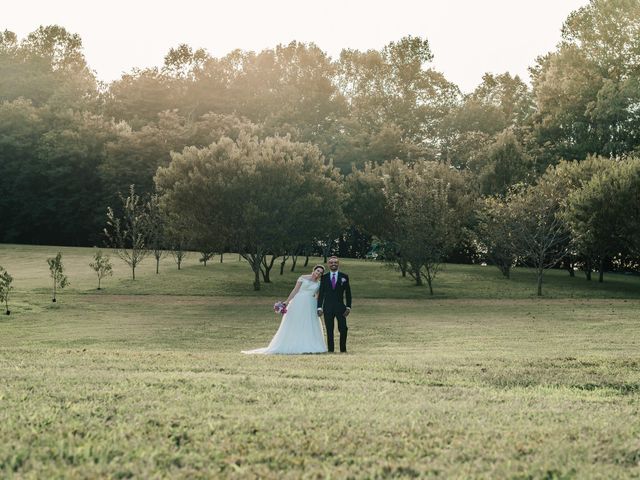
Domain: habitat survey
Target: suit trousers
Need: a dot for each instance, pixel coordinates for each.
(329, 322)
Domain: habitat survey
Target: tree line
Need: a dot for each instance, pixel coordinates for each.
(392, 143)
(275, 199)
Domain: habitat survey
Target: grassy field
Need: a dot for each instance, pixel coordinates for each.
(145, 379)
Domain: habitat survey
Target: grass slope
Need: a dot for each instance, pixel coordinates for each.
(144, 379)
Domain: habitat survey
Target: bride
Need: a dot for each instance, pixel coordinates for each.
(300, 330)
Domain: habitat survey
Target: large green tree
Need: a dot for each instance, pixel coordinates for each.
(485, 133)
(604, 213)
(51, 139)
(417, 212)
(504, 163)
(588, 89)
(259, 195)
(50, 159)
(139, 96)
(396, 103)
(21, 127)
(47, 67)
(566, 178)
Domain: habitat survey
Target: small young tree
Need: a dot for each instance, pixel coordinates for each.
(179, 253)
(5, 288)
(57, 274)
(205, 256)
(178, 238)
(200, 242)
(102, 266)
(128, 235)
(156, 229)
(541, 235)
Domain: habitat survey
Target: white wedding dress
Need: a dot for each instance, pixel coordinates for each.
(301, 329)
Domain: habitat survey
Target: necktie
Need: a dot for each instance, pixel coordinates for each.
(333, 281)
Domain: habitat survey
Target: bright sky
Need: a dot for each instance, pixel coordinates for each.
(467, 37)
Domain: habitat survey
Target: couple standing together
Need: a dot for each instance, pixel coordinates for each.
(319, 294)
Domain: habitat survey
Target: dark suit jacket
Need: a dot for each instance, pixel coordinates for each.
(334, 300)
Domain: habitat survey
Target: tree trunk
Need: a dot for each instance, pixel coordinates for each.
(506, 270)
(429, 278)
(266, 268)
(587, 269)
(282, 263)
(567, 264)
(540, 272)
(265, 274)
(326, 250)
(256, 279)
(294, 260)
(221, 256)
(133, 272)
(417, 276)
(601, 272)
(306, 261)
(403, 267)
(255, 261)
(157, 265)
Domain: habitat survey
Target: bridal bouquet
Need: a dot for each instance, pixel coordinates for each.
(280, 307)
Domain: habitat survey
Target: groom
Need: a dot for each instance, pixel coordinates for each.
(334, 287)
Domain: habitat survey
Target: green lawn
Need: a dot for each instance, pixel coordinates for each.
(145, 379)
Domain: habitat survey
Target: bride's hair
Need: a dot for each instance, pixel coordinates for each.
(320, 266)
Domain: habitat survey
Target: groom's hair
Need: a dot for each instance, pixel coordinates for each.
(320, 266)
(333, 256)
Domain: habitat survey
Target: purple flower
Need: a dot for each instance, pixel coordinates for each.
(280, 307)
